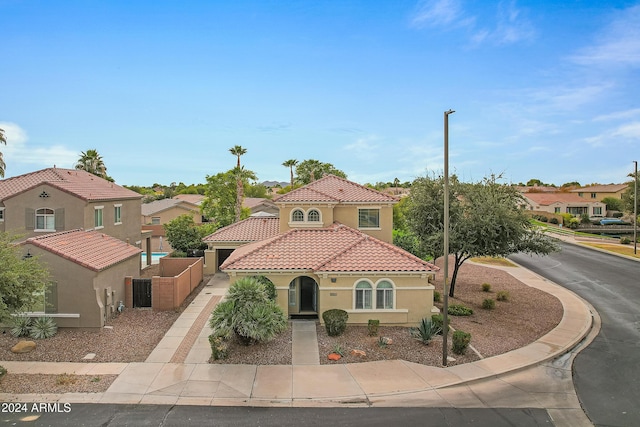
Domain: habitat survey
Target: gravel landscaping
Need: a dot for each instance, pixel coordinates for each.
(526, 316)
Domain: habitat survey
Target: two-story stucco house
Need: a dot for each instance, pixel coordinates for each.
(332, 248)
(560, 203)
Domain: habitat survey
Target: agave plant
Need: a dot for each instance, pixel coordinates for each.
(425, 331)
(21, 326)
(42, 327)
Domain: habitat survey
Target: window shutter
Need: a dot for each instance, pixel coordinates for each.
(29, 219)
(59, 215)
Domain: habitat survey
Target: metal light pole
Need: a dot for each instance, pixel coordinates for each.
(635, 208)
(445, 315)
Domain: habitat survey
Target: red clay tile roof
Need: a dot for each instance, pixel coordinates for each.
(252, 229)
(335, 249)
(80, 183)
(90, 249)
(158, 206)
(546, 199)
(337, 190)
(601, 188)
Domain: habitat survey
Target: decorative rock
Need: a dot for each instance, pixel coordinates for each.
(23, 347)
(358, 353)
(334, 356)
(386, 340)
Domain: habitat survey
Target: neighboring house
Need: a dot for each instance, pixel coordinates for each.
(54, 199)
(560, 203)
(160, 212)
(599, 192)
(88, 270)
(257, 204)
(332, 249)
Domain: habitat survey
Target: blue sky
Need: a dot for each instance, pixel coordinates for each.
(162, 89)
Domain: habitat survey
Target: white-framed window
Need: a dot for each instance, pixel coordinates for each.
(46, 300)
(313, 215)
(117, 214)
(1, 214)
(45, 219)
(368, 218)
(556, 210)
(363, 295)
(297, 215)
(292, 293)
(155, 220)
(597, 210)
(384, 295)
(98, 217)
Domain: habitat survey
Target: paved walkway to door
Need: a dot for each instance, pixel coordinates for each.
(304, 343)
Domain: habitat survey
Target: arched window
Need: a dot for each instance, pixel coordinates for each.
(313, 215)
(297, 216)
(384, 295)
(364, 295)
(45, 219)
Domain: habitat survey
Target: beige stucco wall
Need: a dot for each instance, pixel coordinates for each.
(211, 255)
(172, 213)
(77, 213)
(413, 296)
(345, 214)
(81, 291)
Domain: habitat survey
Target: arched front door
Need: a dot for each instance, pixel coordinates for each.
(303, 296)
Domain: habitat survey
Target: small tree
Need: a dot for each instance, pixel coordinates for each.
(22, 279)
(613, 204)
(184, 235)
(220, 199)
(310, 170)
(248, 313)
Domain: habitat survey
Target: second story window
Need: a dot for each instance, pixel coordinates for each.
(313, 216)
(45, 219)
(1, 214)
(368, 218)
(97, 217)
(297, 216)
(155, 220)
(117, 214)
(594, 195)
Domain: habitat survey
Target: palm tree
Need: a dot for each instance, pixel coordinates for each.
(290, 164)
(238, 151)
(91, 161)
(3, 140)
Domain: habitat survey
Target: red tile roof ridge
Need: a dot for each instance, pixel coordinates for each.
(311, 185)
(345, 249)
(239, 224)
(299, 190)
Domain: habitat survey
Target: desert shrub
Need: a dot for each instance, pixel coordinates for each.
(486, 287)
(269, 287)
(3, 371)
(437, 296)
(553, 220)
(574, 223)
(338, 349)
(42, 327)
(489, 304)
(459, 310)
(373, 326)
(502, 296)
(461, 341)
(66, 379)
(20, 326)
(438, 320)
(335, 321)
(584, 219)
(249, 313)
(219, 347)
(625, 240)
(425, 331)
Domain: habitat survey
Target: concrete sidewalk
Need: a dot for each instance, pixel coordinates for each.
(177, 371)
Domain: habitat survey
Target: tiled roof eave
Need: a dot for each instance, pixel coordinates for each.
(269, 270)
(382, 272)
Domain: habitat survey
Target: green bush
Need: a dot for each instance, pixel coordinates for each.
(553, 220)
(625, 240)
(269, 287)
(425, 331)
(502, 296)
(373, 326)
(459, 310)
(219, 347)
(489, 304)
(42, 327)
(338, 349)
(486, 287)
(178, 254)
(461, 341)
(249, 313)
(3, 371)
(20, 326)
(438, 320)
(437, 296)
(335, 321)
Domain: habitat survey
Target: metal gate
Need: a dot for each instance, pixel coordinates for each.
(142, 293)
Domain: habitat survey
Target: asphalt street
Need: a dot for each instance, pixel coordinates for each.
(606, 374)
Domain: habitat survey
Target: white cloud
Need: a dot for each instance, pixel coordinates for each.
(619, 43)
(615, 136)
(439, 13)
(364, 149)
(626, 114)
(512, 26)
(18, 152)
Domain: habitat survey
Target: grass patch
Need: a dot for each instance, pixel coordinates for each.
(503, 262)
(623, 250)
